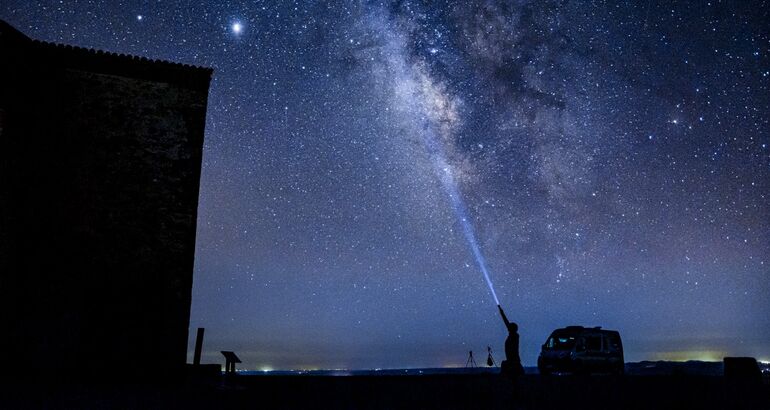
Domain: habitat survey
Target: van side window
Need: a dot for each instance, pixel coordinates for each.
(594, 343)
(611, 343)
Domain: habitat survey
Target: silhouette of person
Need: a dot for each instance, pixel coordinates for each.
(511, 366)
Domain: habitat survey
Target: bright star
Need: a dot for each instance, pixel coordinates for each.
(139, 17)
(237, 28)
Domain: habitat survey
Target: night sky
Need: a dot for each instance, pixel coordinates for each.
(610, 161)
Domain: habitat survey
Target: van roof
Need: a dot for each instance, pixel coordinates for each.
(583, 329)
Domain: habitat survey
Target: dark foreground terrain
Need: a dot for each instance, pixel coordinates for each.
(479, 391)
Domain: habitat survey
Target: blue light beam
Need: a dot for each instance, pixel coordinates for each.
(436, 153)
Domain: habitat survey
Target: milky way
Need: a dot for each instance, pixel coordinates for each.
(611, 161)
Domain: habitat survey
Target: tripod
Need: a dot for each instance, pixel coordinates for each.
(471, 362)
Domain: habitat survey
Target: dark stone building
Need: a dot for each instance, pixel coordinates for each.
(100, 158)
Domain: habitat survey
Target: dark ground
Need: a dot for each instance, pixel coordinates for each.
(481, 391)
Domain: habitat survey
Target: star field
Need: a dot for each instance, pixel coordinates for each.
(613, 160)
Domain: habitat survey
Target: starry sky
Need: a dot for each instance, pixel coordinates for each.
(606, 162)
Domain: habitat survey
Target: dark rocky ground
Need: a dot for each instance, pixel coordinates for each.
(478, 391)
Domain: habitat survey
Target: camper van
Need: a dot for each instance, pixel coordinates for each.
(584, 350)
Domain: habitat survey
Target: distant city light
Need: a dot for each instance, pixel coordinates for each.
(683, 356)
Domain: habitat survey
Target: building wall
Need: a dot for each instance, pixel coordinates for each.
(99, 220)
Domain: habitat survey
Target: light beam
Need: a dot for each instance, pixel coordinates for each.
(436, 153)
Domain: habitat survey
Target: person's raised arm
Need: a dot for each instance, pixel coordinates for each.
(505, 319)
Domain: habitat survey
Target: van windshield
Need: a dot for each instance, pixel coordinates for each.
(560, 342)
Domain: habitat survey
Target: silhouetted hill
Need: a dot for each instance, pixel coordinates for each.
(662, 368)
